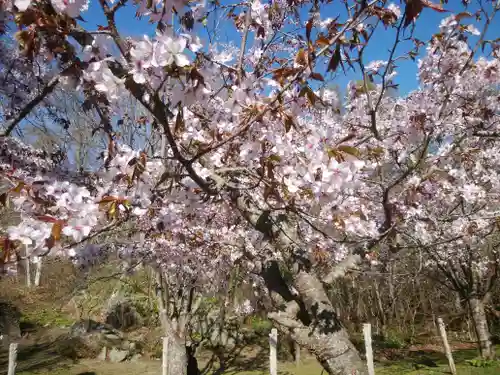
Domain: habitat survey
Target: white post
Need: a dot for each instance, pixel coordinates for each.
(273, 358)
(28, 272)
(442, 332)
(38, 272)
(12, 359)
(297, 354)
(367, 332)
(164, 357)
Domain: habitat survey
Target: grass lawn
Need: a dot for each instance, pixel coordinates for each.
(37, 360)
(308, 368)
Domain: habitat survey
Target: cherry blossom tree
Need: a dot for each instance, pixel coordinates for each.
(257, 165)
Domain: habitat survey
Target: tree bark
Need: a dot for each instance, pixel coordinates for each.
(300, 302)
(481, 325)
(310, 319)
(381, 311)
(327, 337)
(177, 354)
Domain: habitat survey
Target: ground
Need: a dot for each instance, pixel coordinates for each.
(42, 359)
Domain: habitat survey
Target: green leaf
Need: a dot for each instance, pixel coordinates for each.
(349, 150)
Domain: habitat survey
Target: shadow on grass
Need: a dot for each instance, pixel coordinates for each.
(430, 359)
(34, 357)
(231, 361)
(236, 361)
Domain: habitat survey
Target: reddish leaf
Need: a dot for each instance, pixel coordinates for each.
(317, 77)
(261, 32)
(289, 122)
(50, 242)
(301, 58)
(335, 60)
(461, 16)
(7, 247)
(436, 7)
(142, 120)
(414, 8)
(309, 26)
(322, 41)
(4, 199)
(107, 199)
(47, 219)
(179, 123)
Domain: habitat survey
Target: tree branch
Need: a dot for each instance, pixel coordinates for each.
(48, 89)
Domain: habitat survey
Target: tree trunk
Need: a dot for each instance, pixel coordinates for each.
(311, 321)
(481, 325)
(192, 362)
(177, 355)
(300, 302)
(326, 336)
(381, 310)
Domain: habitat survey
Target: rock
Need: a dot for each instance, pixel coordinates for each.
(85, 326)
(102, 354)
(135, 357)
(105, 342)
(117, 355)
(124, 316)
(112, 336)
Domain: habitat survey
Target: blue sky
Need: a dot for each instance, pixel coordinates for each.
(378, 48)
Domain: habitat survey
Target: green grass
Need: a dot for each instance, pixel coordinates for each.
(284, 369)
(44, 317)
(418, 363)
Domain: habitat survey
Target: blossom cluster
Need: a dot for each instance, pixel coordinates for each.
(424, 172)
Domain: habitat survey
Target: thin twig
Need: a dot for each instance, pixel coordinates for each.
(243, 44)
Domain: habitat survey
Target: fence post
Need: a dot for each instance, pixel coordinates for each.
(273, 357)
(367, 332)
(38, 271)
(164, 357)
(28, 270)
(442, 332)
(12, 359)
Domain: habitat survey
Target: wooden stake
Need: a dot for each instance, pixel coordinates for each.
(442, 332)
(367, 332)
(273, 358)
(12, 359)
(27, 264)
(38, 271)
(164, 358)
